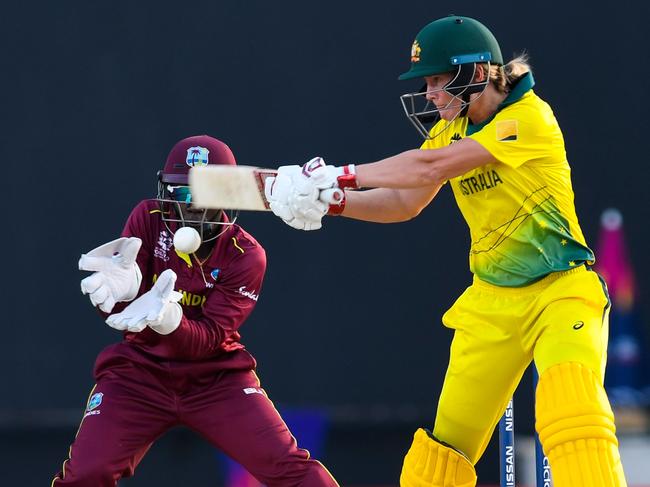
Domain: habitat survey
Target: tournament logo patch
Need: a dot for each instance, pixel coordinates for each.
(507, 130)
(163, 245)
(215, 274)
(197, 156)
(415, 51)
(94, 401)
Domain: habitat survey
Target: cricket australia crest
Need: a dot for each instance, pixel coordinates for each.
(415, 51)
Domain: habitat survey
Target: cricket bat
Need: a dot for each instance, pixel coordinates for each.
(238, 188)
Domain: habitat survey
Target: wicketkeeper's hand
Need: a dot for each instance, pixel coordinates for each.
(117, 276)
(157, 308)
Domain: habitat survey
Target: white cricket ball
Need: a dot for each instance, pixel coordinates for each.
(187, 240)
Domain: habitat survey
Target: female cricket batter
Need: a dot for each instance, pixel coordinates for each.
(181, 361)
(533, 296)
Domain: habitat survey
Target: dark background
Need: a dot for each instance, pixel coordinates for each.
(94, 96)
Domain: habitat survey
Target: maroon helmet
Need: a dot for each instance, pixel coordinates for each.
(198, 150)
(174, 193)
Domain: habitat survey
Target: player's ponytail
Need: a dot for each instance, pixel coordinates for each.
(503, 77)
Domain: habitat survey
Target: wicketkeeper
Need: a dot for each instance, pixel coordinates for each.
(181, 361)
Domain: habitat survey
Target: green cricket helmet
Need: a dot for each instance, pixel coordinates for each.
(453, 44)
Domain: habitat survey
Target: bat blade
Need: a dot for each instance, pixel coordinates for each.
(229, 187)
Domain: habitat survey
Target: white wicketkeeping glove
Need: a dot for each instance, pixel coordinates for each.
(116, 275)
(279, 189)
(157, 308)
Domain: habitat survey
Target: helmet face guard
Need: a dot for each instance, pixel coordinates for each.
(175, 202)
(423, 113)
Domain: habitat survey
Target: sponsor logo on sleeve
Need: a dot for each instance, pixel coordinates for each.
(249, 294)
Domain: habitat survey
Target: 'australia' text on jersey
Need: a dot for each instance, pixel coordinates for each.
(485, 180)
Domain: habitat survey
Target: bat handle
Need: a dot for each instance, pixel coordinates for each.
(331, 196)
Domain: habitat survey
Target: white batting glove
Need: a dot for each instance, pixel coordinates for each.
(157, 308)
(318, 189)
(324, 176)
(279, 189)
(304, 201)
(116, 275)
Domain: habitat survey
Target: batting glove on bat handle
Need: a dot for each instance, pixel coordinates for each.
(328, 179)
(335, 198)
(324, 176)
(331, 196)
(278, 191)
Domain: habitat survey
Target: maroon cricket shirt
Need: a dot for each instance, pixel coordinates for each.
(218, 295)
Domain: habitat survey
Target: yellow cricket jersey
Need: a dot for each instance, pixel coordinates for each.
(520, 210)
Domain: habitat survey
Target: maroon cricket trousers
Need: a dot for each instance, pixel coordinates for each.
(138, 397)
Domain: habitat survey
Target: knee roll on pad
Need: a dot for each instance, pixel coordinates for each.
(576, 427)
(430, 463)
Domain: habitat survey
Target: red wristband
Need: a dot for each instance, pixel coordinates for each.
(337, 209)
(349, 177)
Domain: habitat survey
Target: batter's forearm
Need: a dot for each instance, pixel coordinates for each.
(375, 205)
(408, 169)
(420, 168)
(384, 205)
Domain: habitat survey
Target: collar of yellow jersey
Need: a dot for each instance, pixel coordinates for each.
(522, 86)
